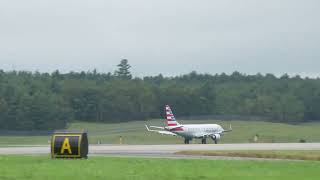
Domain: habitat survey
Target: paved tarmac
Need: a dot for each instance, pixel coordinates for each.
(161, 151)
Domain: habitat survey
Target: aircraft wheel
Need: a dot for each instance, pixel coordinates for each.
(186, 141)
(216, 141)
(204, 141)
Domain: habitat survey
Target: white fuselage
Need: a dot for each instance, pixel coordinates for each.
(197, 130)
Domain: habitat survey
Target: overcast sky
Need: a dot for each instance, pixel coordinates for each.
(171, 37)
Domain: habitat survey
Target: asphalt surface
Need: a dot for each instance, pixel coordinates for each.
(162, 151)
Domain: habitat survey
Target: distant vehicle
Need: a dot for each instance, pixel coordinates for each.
(189, 131)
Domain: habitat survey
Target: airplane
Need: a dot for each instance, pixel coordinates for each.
(189, 131)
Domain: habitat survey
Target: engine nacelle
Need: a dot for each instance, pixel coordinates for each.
(216, 137)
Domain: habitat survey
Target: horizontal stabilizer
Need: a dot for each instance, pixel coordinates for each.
(157, 127)
(160, 132)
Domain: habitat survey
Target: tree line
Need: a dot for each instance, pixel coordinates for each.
(47, 101)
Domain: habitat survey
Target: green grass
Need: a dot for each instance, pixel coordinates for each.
(298, 155)
(23, 140)
(102, 168)
(135, 133)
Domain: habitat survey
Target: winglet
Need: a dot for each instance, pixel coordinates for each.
(230, 129)
(147, 127)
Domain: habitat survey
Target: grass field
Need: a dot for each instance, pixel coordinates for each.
(297, 155)
(102, 168)
(135, 133)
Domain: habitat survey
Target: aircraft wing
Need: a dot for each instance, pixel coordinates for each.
(201, 135)
(230, 129)
(160, 132)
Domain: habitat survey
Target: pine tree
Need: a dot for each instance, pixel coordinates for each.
(123, 71)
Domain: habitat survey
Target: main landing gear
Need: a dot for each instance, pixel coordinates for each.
(204, 141)
(186, 141)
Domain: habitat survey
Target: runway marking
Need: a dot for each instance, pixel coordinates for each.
(163, 151)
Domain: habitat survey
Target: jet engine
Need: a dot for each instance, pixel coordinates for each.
(216, 137)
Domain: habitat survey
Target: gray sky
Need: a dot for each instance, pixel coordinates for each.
(171, 37)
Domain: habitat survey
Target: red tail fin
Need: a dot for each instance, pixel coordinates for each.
(171, 120)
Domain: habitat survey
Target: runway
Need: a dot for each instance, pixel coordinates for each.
(160, 151)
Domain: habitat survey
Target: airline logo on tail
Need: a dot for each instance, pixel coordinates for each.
(171, 120)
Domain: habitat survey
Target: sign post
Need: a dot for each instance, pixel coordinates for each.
(67, 144)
